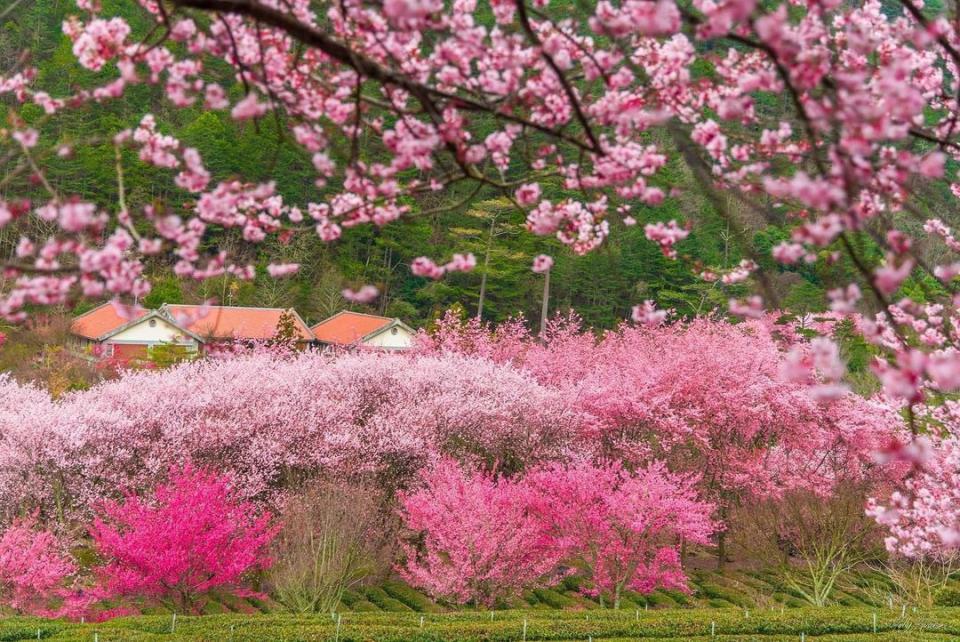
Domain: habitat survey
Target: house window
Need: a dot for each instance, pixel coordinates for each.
(393, 331)
(152, 323)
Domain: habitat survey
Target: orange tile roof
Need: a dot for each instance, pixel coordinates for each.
(101, 320)
(345, 328)
(224, 322)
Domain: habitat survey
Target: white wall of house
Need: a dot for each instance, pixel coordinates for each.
(395, 338)
(153, 330)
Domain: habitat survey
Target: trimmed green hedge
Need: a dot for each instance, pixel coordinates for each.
(386, 603)
(412, 598)
(829, 624)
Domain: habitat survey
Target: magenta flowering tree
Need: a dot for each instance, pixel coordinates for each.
(621, 530)
(36, 573)
(190, 537)
(484, 538)
(475, 538)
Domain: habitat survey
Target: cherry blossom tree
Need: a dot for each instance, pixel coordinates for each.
(485, 538)
(591, 100)
(621, 530)
(755, 409)
(272, 421)
(478, 541)
(193, 535)
(35, 573)
(922, 517)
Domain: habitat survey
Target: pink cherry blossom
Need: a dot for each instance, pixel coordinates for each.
(365, 294)
(666, 235)
(27, 137)
(193, 536)
(249, 107)
(528, 194)
(542, 263)
(278, 270)
(461, 263)
(648, 314)
(422, 266)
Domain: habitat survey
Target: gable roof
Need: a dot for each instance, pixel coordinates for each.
(345, 328)
(102, 320)
(233, 322)
(151, 314)
(394, 323)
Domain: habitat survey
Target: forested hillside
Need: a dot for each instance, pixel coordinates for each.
(601, 286)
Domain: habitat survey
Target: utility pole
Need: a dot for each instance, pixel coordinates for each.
(545, 306)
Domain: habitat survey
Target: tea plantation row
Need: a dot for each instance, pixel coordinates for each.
(847, 624)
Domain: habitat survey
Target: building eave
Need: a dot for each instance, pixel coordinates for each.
(153, 314)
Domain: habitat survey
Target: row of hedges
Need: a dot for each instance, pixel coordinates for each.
(692, 624)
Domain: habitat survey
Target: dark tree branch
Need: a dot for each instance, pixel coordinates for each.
(340, 52)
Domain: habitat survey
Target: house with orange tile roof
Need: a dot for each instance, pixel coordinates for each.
(355, 329)
(112, 331)
(219, 323)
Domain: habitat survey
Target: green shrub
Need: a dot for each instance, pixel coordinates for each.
(713, 591)
(553, 599)
(414, 599)
(386, 603)
(831, 624)
(362, 606)
(658, 598)
(350, 597)
(679, 597)
(947, 597)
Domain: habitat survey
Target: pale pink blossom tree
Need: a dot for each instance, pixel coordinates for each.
(273, 420)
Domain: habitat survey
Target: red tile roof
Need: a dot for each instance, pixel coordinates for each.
(224, 322)
(101, 320)
(345, 328)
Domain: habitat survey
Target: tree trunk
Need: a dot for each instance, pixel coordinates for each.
(721, 549)
(486, 268)
(545, 306)
(722, 514)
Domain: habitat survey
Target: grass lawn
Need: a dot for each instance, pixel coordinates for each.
(846, 624)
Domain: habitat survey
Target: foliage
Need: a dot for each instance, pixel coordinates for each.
(191, 537)
(776, 112)
(924, 517)
(486, 539)
(707, 397)
(164, 355)
(558, 104)
(287, 332)
(922, 581)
